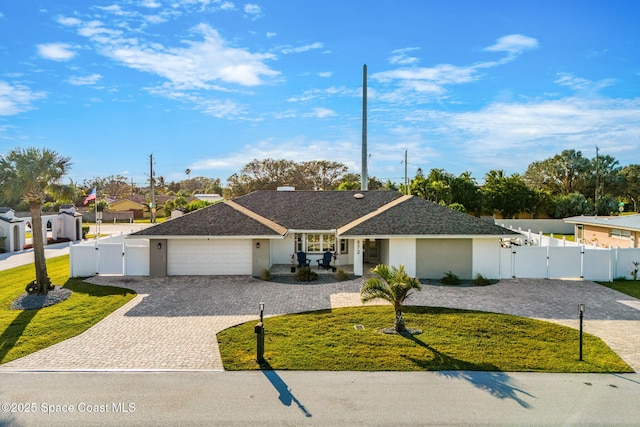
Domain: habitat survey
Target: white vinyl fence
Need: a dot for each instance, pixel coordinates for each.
(112, 255)
(540, 257)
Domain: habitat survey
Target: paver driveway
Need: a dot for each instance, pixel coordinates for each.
(172, 322)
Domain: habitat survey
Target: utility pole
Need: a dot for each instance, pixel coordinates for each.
(152, 205)
(595, 197)
(364, 186)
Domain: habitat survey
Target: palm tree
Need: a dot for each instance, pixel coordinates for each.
(393, 285)
(32, 174)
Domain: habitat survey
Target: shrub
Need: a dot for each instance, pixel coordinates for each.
(341, 275)
(634, 272)
(480, 280)
(305, 274)
(265, 275)
(450, 279)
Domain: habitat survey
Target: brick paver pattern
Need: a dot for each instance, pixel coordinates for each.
(172, 323)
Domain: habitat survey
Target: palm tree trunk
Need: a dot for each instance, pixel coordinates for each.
(399, 322)
(42, 279)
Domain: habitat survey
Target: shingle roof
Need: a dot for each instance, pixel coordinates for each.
(215, 220)
(376, 213)
(415, 216)
(627, 222)
(315, 210)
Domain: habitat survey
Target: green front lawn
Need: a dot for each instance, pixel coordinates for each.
(25, 331)
(629, 287)
(451, 340)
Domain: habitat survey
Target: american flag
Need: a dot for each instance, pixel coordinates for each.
(90, 197)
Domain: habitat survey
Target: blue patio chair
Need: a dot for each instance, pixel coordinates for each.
(302, 259)
(325, 262)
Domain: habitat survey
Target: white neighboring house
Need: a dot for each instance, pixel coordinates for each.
(12, 231)
(208, 197)
(256, 231)
(66, 224)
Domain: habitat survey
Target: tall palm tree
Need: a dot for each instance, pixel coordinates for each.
(32, 174)
(393, 285)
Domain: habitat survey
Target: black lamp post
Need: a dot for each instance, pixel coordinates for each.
(259, 330)
(581, 310)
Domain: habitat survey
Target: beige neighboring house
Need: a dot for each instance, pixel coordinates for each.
(139, 205)
(607, 231)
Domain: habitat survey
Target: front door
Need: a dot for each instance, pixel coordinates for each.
(371, 253)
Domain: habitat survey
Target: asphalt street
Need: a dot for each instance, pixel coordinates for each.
(286, 398)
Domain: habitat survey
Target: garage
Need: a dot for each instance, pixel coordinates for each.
(209, 257)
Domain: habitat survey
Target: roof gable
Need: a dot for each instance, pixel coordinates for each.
(217, 220)
(414, 216)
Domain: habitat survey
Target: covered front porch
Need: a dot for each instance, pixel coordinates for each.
(285, 269)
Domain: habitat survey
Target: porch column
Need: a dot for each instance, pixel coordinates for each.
(357, 257)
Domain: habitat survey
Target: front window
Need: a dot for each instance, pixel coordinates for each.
(318, 243)
(620, 234)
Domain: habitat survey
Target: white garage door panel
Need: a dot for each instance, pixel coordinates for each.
(208, 257)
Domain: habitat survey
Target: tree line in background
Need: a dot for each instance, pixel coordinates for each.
(564, 185)
(567, 184)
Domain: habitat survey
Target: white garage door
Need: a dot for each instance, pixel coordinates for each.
(209, 257)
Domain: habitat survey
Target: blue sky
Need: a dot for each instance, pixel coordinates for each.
(211, 85)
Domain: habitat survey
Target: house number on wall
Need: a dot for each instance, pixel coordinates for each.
(358, 247)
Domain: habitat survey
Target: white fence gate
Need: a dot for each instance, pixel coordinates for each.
(113, 255)
(567, 262)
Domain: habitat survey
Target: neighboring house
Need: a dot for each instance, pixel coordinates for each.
(208, 197)
(607, 231)
(65, 225)
(256, 231)
(139, 204)
(12, 231)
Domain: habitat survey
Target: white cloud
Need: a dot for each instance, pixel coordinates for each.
(513, 44)
(155, 19)
(580, 83)
(227, 5)
(401, 56)
(305, 48)
(198, 65)
(252, 9)
(270, 35)
(84, 80)
(298, 149)
(68, 21)
(15, 99)
(325, 74)
(332, 91)
(321, 113)
(518, 133)
(151, 4)
(56, 51)
(425, 84)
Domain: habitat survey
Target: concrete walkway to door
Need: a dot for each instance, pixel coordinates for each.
(172, 322)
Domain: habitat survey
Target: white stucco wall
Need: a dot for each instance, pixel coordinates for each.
(486, 258)
(403, 251)
(281, 250)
